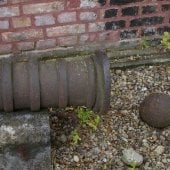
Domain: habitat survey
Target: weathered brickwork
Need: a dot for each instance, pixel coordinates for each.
(41, 24)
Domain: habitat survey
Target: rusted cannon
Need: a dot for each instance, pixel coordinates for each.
(56, 83)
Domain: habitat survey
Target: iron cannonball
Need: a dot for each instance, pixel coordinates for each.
(155, 110)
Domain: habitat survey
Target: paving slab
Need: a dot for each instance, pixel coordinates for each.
(25, 141)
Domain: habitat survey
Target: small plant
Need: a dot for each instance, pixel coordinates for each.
(75, 138)
(83, 114)
(88, 117)
(93, 123)
(166, 40)
(144, 42)
(132, 166)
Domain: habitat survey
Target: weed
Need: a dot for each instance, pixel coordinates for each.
(88, 117)
(83, 114)
(166, 40)
(144, 42)
(93, 123)
(132, 166)
(75, 137)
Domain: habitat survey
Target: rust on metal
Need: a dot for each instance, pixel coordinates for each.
(155, 110)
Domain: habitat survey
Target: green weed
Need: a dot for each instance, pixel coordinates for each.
(166, 40)
(144, 42)
(88, 117)
(132, 166)
(75, 138)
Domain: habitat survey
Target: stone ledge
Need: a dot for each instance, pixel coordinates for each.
(120, 56)
(137, 58)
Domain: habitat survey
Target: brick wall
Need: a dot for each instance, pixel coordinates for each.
(47, 24)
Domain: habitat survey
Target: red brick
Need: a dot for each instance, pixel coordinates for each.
(94, 27)
(67, 41)
(44, 44)
(92, 37)
(65, 30)
(88, 16)
(108, 13)
(73, 3)
(41, 24)
(5, 49)
(88, 3)
(88, 38)
(24, 46)
(110, 36)
(66, 17)
(9, 11)
(20, 22)
(84, 38)
(4, 24)
(43, 7)
(44, 20)
(22, 35)
(3, 2)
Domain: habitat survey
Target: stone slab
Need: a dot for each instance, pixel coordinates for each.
(25, 141)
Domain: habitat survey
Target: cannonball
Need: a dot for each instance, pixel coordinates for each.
(155, 110)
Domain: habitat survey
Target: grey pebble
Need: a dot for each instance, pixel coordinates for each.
(130, 156)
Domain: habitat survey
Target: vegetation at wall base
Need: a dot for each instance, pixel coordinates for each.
(166, 40)
(144, 42)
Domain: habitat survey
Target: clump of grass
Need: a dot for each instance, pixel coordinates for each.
(166, 40)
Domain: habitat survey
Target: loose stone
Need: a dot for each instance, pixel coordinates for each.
(63, 138)
(130, 156)
(76, 158)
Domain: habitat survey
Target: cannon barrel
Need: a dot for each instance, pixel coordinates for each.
(57, 82)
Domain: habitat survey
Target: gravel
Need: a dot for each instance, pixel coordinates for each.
(120, 128)
(76, 158)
